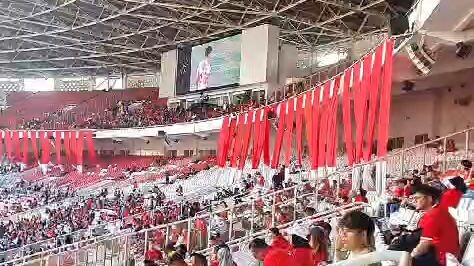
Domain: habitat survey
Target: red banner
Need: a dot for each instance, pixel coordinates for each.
(67, 146)
(238, 140)
(279, 136)
(308, 117)
(25, 147)
(91, 147)
(8, 144)
(386, 96)
(73, 148)
(332, 125)
(299, 129)
(80, 148)
(45, 148)
(347, 116)
(34, 145)
(246, 139)
(58, 146)
(289, 130)
(221, 144)
(231, 141)
(266, 139)
(323, 127)
(373, 102)
(16, 145)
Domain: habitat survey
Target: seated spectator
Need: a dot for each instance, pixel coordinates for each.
(269, 256)
(319, 244)
(278, 241)
(356, 236)
(361, 197)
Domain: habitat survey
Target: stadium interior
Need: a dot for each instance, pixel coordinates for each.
(236, 133)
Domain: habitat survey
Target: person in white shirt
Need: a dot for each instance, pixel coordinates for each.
(204, 71)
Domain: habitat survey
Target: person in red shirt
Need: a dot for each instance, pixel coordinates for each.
(438, 227)
(362, 196)
(278, 241)
(453, 195)
(302, 253)
(269, 256)
(154, 254)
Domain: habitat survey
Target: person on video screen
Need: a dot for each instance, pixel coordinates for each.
(204, 71)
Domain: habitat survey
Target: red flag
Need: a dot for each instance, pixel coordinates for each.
(290, 107)
(238, 140)
(374, 102)
(223, 139)
(58, 147)
(362, 107)
(317, 115)
(246, 139)
(34, 145)
(279, 137)
(16, 144)
(80, 148)
(308, 117)
(386, 96)
(25, 147)
(231, 141)
(332, 125)
(323, 125)
(8, 144)
(347, 116)
(266, 139)
(299, 129)
(45, 147)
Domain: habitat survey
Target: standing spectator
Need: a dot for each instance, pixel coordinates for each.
(319, 244)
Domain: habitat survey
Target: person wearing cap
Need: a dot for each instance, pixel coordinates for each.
(268, 255)
(438, 227)
(356, 236)
(302, 253)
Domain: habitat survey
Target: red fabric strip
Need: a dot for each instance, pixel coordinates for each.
(25, 147)
(34, 145)
(238, 140)
(231, 140)
(80, 148)
(323, 127)
(289, 130)
(317, 114)
(279, 137)
(73, 147)
(91, 147)
(266, 139)
(221, 144)
(332, 125)
(16, 145)
(67, 148)
(373, 102)
(384, 116)
(257, 138)
(246, 139)
(347, 117)
(8, 145)
(58, 147)
(308, 118)
(45, 145)
(361, 107)
(299, 129)
(3, 137)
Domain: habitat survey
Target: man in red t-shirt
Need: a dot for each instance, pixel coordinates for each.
(270, 256)
(438, 226)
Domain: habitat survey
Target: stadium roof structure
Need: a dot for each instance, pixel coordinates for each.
(42, 38)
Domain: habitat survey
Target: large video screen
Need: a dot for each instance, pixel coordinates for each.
(215, 64)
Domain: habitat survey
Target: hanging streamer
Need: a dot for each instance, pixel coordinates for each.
(323, 127)
(317, 114)
(373, 102)
(299, 129)
(73, 147)
(279, 138)
(45, 148)
(34, 145)
(67, 151)
(2, 140)
(223, 139)
(246, 139)
(347, 116)
(8, 145)
(357, 95)
(91, 147)
(238, 140)
(231, 141)
(290, 107)
(332, 125)
(386, 95)
(259, 136)
(266, 139)
(308, 118)
(80, 148)
(16, 145)
(362, 107)
(25, 148)
(57, 145)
